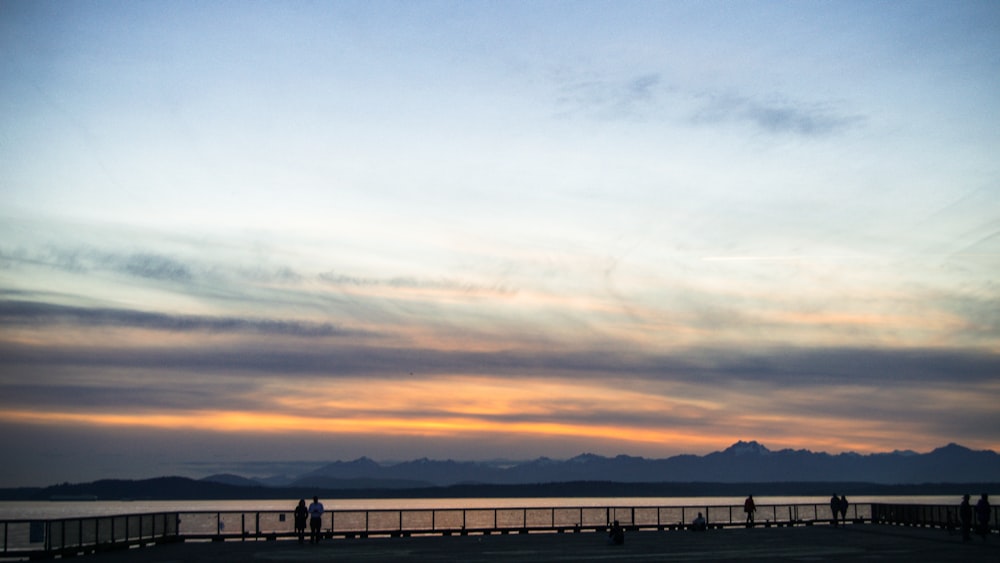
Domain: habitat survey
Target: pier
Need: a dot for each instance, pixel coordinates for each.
(660, 533)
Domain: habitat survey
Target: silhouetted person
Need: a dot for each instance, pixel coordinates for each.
(315, 520)
(617, 534)
(699, 524)
(983, 515)
(842, 504)
(750, 508)
(965, 518)
(834, 508)
(301, 515)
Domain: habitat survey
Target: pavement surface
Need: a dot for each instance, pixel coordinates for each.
(856, 543)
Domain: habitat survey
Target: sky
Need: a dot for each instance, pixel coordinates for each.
(253, 237)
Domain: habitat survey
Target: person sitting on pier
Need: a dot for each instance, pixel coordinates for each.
(315, 520)
(617, 534)
(301, 515)
(699, 524)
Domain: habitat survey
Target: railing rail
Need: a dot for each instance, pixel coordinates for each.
(72, 536)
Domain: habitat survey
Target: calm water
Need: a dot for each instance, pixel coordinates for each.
(16, 510)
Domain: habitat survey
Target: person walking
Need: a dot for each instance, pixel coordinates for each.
(750, 508)
(301, 515)
(315, 520)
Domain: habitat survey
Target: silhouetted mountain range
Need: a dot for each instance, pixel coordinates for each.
(947, 470)
(743, 462)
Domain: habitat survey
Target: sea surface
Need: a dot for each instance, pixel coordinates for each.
(30, 510)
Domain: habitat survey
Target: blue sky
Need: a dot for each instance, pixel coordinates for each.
(267, 231)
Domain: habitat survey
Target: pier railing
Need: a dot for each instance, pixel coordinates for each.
(465, 521)
(73, 536)
(927, 515)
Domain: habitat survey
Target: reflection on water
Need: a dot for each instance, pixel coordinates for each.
(16, 510)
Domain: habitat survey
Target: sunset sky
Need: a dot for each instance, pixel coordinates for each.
(255, 236)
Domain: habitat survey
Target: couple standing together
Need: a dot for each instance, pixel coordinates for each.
(315, 515)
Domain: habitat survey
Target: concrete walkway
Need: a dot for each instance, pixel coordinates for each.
(856, 543)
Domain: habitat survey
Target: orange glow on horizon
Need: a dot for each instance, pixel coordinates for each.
(623, 438)
(262, 423)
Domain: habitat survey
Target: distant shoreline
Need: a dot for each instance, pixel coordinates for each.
(181, 488)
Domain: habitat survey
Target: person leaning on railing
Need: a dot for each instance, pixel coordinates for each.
(301, 515)
(983, 515)
(965, 517)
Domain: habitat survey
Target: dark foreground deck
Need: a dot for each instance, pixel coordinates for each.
(856, 543)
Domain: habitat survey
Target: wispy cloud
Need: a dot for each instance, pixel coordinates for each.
(775, 116)
(799, 367)
(410, 282)
(21, 313)
(142, 264)
(648, 97)
(608, 98)
(152, 266)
